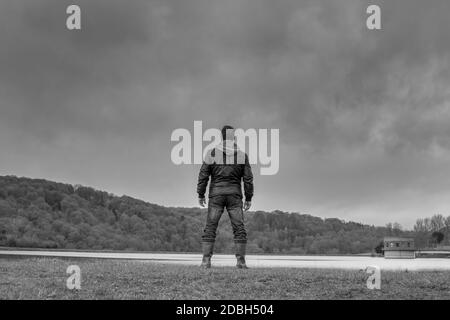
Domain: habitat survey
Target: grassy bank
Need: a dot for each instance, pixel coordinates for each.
(45, 278)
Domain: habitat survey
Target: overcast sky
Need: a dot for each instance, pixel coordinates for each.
(363, 115)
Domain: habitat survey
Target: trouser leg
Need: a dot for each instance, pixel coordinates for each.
(209, 233)
(240, 235)
(237, 223)
(212, 221)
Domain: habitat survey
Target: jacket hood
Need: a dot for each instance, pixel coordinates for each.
(228, 147)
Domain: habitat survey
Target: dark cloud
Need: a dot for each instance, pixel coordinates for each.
(362, 114)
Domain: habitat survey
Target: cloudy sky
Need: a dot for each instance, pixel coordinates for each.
(363, 115)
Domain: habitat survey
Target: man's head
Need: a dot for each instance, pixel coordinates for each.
(228, 133)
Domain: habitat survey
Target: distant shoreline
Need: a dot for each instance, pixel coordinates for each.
(181, 252)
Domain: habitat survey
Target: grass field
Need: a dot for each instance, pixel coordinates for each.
(45, 278)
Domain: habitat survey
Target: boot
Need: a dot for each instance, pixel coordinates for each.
(240, 255)
(207, 248)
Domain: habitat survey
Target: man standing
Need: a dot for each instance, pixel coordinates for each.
(228, 167)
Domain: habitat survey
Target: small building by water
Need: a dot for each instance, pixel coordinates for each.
(399, 248)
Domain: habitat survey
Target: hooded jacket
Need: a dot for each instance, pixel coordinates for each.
(228, 167)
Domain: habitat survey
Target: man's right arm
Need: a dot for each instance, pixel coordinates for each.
(248, 183)
(203, 178)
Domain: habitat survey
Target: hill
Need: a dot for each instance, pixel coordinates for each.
(45, 214)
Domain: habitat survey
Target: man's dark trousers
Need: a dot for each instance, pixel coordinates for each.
(216, 205)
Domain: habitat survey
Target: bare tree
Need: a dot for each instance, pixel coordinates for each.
(437, 222)
(420, 226)
(447, 223)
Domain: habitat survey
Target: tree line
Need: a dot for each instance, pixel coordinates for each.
(36, 213)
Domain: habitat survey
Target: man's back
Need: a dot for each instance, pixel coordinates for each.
(227, 170)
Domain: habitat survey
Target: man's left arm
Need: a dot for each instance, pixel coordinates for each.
(203, 178)
(248, 184)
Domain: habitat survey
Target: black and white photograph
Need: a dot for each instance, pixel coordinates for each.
(225, 155)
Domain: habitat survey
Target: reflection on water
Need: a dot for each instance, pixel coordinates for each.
(260, 261)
